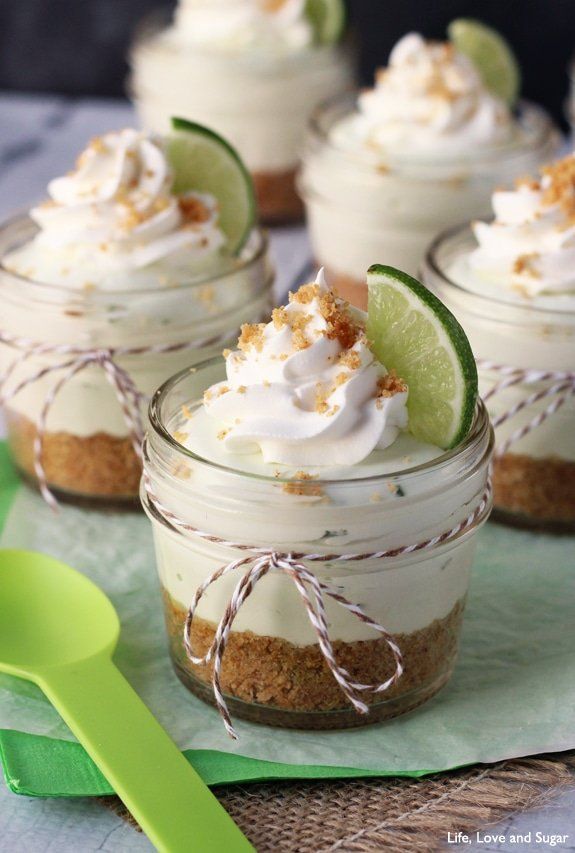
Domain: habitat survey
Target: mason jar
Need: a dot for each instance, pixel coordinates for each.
(79, 366)
(273, 670)
(362, 208)
(534, 476)
(260, 104)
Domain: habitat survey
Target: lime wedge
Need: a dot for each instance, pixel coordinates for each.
(327, 18)
(491, 54)
(413, 333)
(205, 162)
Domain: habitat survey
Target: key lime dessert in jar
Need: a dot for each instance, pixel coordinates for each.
(511, 283)
(252, 69)
(315, 496)
(386, 170)
(144, 257)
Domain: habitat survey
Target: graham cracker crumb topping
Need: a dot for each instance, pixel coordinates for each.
(301, 485)
(390, 385)
(272, 5)
(252, 335)
(557, 186)
(561, 189)
(193, 210)
(524, 265)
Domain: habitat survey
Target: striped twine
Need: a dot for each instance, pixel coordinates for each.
(312, 591)
(75, 360)
(561, 388)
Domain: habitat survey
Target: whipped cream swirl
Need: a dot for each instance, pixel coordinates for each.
(430, 100)
(115, 216)
(306, 389)
(259, 26)
(529, 247)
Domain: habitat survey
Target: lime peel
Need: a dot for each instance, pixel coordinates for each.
(327, 18)
(415, 334)
(203, 161)
(491, 54)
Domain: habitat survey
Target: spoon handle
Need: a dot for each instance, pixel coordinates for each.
(163, 792)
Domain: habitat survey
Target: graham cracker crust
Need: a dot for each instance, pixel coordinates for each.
(280, 683)
(277, 197)
(535, 489)
(99, 465)
(353, 290)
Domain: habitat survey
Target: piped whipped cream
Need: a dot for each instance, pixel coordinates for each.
(429, 101)
(236, 26)
(115, 223)
(306, 389)
(529, 247)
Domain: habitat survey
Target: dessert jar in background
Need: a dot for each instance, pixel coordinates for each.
(273, 671)
(385, 171)
(534, 479)
(143, 257)
(254, 74)
(87, 448)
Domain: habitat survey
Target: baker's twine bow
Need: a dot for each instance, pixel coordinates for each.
(74, 360)
(312, 591)
(561, 387)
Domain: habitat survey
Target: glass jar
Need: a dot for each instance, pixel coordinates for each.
(273, 670)
(87, 448)
(362, 212)
(534, 479)
(260, 104)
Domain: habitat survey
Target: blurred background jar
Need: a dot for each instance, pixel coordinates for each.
(362, 210)
(254, 76)
(534, 476)
(88, 449)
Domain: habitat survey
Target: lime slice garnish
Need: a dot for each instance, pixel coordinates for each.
(327, 18)
(205, 162)
(413, 333)
(491, 54)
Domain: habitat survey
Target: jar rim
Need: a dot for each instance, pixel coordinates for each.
(544, 131)
(259, 251)
(432, 264)
(481, 427)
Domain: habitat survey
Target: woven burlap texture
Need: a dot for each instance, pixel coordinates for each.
(388, 814)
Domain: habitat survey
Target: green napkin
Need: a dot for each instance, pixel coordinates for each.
(513, 692)
(8, 482)
(40, 766)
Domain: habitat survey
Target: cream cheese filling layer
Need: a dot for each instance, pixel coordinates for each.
(261, 106)
(404, 599)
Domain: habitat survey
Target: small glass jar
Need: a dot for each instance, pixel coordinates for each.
(534, 479)
(273, 671)
(87, 449)
(360, 212)
(260, 104)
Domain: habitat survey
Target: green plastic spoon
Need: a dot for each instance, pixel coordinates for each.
(59, 630)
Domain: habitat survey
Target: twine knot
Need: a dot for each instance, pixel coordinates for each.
(312, 592)
(256, 562)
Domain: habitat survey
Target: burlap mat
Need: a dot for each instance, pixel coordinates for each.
(388, 814)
